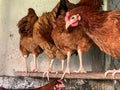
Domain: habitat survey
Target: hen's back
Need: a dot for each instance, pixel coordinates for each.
(25, 26)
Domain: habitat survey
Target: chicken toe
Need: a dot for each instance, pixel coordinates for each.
(109, 71)
(47, 73)
(35, 70)
(66, 71)
(81, 70)
(49, 70)
(115, 72)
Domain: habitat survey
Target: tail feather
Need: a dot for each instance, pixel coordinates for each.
(62, 6)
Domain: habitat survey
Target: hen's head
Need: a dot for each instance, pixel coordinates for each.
(72, 20)
(59, 85)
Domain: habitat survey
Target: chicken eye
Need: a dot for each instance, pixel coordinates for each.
(72, 17)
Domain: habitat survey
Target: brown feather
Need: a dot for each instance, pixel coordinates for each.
(25, 25)
(107, 34)
(42, 34)
(49, 86)
(73, 40)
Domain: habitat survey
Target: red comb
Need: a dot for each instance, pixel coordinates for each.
(60, 81)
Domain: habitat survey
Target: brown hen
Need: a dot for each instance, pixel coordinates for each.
(102, 27)
(27, 44)
(69, 42)
(42, 37)
(64, 40)
(75, 38)
(54, 85)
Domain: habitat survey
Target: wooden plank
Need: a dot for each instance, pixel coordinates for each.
(72, 75)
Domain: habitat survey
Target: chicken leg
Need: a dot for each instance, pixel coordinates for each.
(49, 70)
(67, 70)
(81, 68)
(36, 64)
(62, 63)
(25, 60)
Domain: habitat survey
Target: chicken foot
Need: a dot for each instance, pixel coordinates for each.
(81, 68)
(36, 64)
(114, 71)
(49, 70)
(67, 70)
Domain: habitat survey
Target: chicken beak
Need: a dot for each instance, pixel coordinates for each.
(67, 25)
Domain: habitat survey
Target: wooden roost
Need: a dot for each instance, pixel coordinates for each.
(88, 75)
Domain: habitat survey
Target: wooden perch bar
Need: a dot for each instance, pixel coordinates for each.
(72, 75)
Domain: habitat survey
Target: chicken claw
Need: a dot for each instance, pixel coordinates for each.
(109, 71)
(47, 73)
(66, 71)
(115, 71)
(35, 70)
(81, 70)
